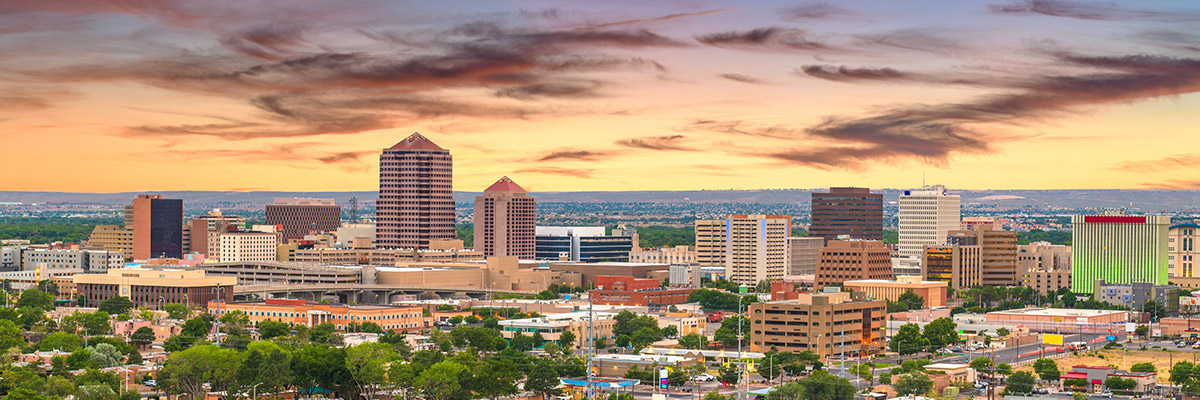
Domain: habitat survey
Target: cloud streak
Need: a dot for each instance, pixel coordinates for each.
(669, 143)
(573, 155)
(764, 38)
(741, 78)
(1091, 11)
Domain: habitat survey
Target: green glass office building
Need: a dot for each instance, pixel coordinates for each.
(1118, 249)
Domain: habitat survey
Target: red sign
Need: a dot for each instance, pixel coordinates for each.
(1104, 219)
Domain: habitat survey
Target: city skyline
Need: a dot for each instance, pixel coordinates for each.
(703, 95)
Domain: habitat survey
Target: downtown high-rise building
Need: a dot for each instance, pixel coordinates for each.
(1118, 248)
(998, 257)
(1182, 250)
(299, 217)
(849, 211)
(756, 247)
(505, 221)
(416, 203)
(157, 227)
(926, 217)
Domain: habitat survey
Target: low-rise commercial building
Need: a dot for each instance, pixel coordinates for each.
(1049, 317)
(615, 365)
(580, 243)
(245, 247)
(88, 261)
(551, 326)
(1096, 378)
(151, 288)
(846, 260)
(665, 255)
(1133, 296)
(630, 291)
(933, 292)
(275, 273)
(302, 312)
(824, 323)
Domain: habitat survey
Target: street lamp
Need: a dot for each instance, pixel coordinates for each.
(254, 391)
(218, 290)
(741, 361)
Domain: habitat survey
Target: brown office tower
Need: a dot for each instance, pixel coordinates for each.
(998, 254)
(415, 202)
(505, 219)
(850, 260)
(847, 211)
(828, 324)
(298, 217)
(157, 227)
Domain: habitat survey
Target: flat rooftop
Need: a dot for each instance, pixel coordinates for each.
(1058, 312)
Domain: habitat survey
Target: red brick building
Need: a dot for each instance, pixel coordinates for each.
(630, 291)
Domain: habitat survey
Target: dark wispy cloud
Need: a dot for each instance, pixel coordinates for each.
(815, 11)
(932, 134)
(846, 74)
(346, 156)
(1175, 162)
(574, 154)
(549, 89)
(764, 38)
(575, 172)
(670, 142)
(1102, 11)
(741, 128)
(741, 78)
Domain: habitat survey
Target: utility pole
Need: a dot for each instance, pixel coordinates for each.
(218, 291)
(591, 346)
(741, 357)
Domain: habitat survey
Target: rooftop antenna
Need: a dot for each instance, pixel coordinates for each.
(352, 214)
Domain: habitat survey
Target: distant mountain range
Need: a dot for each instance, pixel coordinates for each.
(1145, 200)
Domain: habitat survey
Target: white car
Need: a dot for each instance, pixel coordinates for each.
(704, 378)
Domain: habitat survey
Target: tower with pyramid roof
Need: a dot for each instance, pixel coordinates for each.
(416, 186)
(505, 219)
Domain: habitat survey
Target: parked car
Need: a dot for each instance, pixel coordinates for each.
(150, 383)
(1106, 394)
(704, 378)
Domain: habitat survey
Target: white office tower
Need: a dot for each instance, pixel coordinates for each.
(926, 217)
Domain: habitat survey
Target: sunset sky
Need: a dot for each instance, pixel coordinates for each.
(109, 96)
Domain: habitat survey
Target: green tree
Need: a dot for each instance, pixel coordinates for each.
(325, 334)
(715, 395)
(728, 373)
(820, 385)
(1118, 383)
(941, 332)
(37, 299)
(177, 311)
(981, 364)
(1020, 382)
(116, 305)
(908, 340)
(567, 338)
(1143, 367)
(913, 383)
(11, 336)
(61, 341)
(104, 355)
(320, 366)
(1142, 331)
(693, 341)
(1047, 369)
(441, 381)
(143, 336)
(269, 329)
(1003, 332)
(367, 364)
(187, 372)
(1069, 300)
(1079, 396)
(645, 337)
(501, 377)
(1181, 372)
(911, 300)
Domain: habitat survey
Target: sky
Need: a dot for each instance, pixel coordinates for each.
(139, 95)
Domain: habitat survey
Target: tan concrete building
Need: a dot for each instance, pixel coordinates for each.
(588, 272)
(152, 288)
(246, 247)
(302, 312)
(501, 273)
(276, 273)
(804, 254)
(824, 323)
(959, 265)
(551, 327)
(756, 247)
(934, 292)
(1181, 250)
(998, 253)
(665, 255)
(298, 217)
(710, 242)
(505, 221)
(1044, 267)
(845, 260)
(112, 238)
(383, 257)
(203, 230)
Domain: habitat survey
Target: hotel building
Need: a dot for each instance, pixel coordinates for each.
(415, 204)
(847, 260)
(926, 217)
(958, 265)
(1118, 248)
(505, 221)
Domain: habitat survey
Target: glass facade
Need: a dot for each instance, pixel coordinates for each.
(166, 228)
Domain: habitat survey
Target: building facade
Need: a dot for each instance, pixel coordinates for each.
(847, 260)
(157, 227)
(151, 288)
(1118, 248)
(998, 256)
(710, 242)
(297, 217)
(203, 230)
(926, 217)
(580, 243)
(1181, 249)
(415, 202)
(630, 291)
(756, 247)
(1044, 267)
(958, 265)
(825, 323)
(505, 221)
(551, 327)
(933, 292)
(851, 211)
(247, 247)
(341, 316)
(804, 253)
(1133, 296)
(665, 255)
(88, 261)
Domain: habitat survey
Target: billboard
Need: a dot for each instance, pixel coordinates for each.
(662, 379)
(1130, 327)
(1053, 339)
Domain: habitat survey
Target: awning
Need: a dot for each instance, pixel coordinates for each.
(1073, 375)
(1096, 381)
